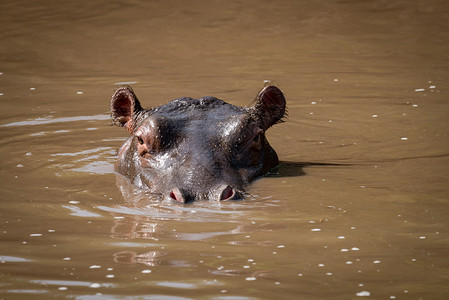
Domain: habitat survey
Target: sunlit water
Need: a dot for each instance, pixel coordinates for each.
(358, 207)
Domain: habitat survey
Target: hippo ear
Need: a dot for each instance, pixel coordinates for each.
(124, 105)
(270, 105)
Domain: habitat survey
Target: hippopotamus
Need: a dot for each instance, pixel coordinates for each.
(196, 149)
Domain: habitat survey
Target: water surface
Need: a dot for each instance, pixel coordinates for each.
(358, 208)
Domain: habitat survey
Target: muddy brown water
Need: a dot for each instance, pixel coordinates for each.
(358, 209)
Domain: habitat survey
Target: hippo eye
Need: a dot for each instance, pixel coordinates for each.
(139, 139)
(256, 138)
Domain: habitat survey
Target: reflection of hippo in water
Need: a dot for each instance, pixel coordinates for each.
(193, 149)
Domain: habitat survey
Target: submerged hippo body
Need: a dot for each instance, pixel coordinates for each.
(192, 149)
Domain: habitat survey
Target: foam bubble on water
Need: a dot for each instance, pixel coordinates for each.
(344, 250)
(95, 267)
(66, 258)
(422, 237)
(404, 138)
(374, 116)
(62, 288)
(420, 90)
(315, 229)
(349, 262)
(341, 237)
(95, 285)
(363, 294)
(355, 249)
(415, 105)
(251, 278)
(147, 271)
(79, 93)
(36, 234)
(376, 262)
(110, 276)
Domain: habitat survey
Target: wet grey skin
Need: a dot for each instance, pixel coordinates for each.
(196, 149)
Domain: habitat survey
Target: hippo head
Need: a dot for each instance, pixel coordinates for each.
(190, 149)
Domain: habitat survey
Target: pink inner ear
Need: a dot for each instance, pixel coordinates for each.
(122, 108)
(272, 96)
(124, 104)
(273, 105)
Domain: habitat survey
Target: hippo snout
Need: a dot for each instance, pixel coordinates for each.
(221, 193)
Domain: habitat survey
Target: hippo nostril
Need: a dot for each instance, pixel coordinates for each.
(227, 193)
(176, 194)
